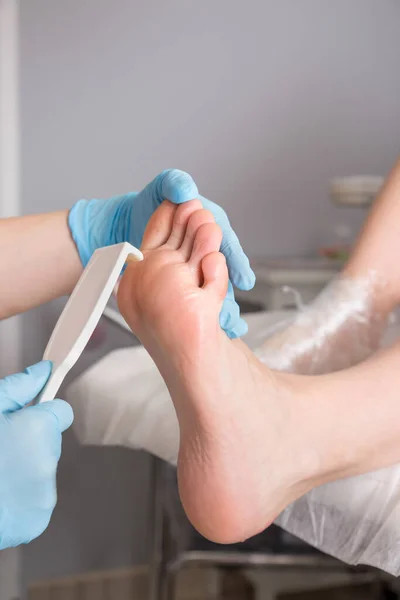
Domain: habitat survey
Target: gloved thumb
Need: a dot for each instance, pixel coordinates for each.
(18, 390)
(176, 186)
(61, 410)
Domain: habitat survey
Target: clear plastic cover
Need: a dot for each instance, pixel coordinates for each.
(339, 329)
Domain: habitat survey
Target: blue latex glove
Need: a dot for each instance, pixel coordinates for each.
(98, 223)
(30, 447)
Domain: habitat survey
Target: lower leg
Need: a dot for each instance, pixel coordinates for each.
(358, 413)
(345, 324)
(378, 247)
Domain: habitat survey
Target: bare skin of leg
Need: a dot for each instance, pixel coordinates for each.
(251, 440)
(345, 324)
(377, 247)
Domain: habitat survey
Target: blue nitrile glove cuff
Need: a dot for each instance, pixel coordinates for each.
(98, 223)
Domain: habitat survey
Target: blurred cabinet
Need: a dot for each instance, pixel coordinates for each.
(279, 281)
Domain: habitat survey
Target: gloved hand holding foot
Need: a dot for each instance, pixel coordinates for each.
(98, 223)
(30, 448)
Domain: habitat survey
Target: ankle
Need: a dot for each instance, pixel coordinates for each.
(328, 430)
(299, 399)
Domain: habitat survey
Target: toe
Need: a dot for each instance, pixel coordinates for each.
(180, 222)
(159, 226)
(195, 221)
(208, 239)
(215, 274)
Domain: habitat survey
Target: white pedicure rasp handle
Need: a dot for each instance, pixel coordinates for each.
(83, 311)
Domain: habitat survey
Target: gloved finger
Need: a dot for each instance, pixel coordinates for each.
(230, 312)
(61, 410)
(41, 523)
(23, 527)
(18, 390)
(176, 186)
(240, 272)
(239, 330)
(229, 319)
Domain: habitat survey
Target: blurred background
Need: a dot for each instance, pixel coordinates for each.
(263, 102)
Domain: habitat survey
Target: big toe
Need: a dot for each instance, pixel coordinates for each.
(159, 226)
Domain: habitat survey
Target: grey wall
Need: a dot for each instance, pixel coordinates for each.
(262, 101)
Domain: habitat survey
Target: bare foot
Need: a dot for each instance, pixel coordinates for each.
(245, 452)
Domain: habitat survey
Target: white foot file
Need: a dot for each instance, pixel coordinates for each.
(83, 312)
